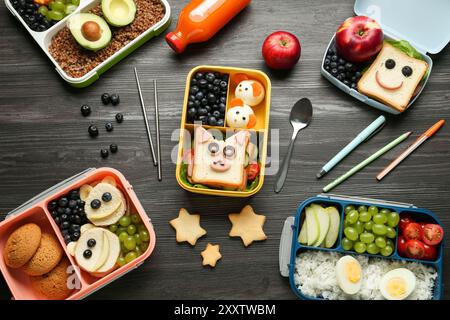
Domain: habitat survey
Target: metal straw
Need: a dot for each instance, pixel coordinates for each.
(158, 142)
(149, 135)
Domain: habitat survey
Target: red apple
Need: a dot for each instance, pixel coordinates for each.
(359, 39)
(281, 50)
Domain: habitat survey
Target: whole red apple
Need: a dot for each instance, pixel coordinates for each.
(281, 50)
(359, 39)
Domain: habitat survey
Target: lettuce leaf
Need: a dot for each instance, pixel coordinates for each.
(183, 177)
(406, 47)
(252, 185)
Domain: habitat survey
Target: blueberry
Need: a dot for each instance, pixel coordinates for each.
(72, 203)
(54, 214)
(211, 98)
(87, 254)
(223, 84)
(104, 153)
(357, 74)
(193, 82)
(339, 77)
(67, 238)
(353, 85)
(58, 220)
(95, 204)
(343, 75)
(216, 82)
(334, 72)
(341, 68)
(333, 64)
(191, 98)
(212, 121)
(219, 123)
(74, 228)
(222, 107)
(199, 95)
(216, 89)
(197, 103)
(199, 76)
(216, 114)
(115, 99)
(74, 195)
(63, 202)
(347, 83)
(203, 83)
(192, 112)
(223, 93)
(60, 210)
(202, 112)
(327, 68)
(77, 219)
(327, 62)
(93, 130)
(52, 205)
(210, 77)
(72, 218)
(64, 232)
(64, 217)
(106, 197)
(334, 58)
(106, 99)
(215, 107)
(194, 90)
(210, 87)
(349, 66)
(223, 100)
(75, 236)
(119, 117)
(407, 71)
(81, 203)
(31, 19)
(203, 119)
(65, 225)
(91, 243)
(109, 127)
(204, 101)
(113, 147)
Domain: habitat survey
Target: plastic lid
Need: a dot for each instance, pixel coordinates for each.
(425, 24)
(175, 42)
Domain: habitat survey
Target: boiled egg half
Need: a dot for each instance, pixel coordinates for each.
(397, 284)
(349, 274)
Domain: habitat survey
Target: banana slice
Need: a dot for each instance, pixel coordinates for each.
(110, 180)
(99, 252)
(85, 190)
(106, 208)
(114, 217)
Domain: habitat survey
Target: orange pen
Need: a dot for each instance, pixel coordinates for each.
(427, 134)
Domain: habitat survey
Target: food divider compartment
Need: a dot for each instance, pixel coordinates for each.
(90, 282)
(19, 282)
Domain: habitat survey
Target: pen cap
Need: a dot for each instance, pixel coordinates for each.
(430, 132)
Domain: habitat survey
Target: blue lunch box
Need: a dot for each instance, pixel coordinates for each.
(290, 247)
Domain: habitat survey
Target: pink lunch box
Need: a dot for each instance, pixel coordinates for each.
(35, 210)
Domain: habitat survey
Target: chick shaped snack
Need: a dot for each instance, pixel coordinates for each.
(251, 92)
(240, 115)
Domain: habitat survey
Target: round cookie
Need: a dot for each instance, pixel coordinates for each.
(46, 257)
(53, 285)
(22, 245)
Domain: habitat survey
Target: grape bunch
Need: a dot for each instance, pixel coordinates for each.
(133, 236)
(345, 71)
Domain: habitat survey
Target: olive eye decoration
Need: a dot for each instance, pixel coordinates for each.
(407, 71)
(390, 64)
(213, 148)
(229, 151)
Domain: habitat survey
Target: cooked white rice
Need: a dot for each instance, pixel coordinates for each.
(315, 276)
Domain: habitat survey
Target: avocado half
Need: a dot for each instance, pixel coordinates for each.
(90, 31)
(119, 13)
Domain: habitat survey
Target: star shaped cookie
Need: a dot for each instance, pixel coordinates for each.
(248, 225)
(211, 255)
(187, 227)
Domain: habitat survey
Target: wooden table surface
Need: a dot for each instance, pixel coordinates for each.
(43, 140)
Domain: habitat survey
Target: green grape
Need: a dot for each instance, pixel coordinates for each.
(372, 248)
(130, 256)
(366, 237)
(352, 216)
(346, 223)
(390, 233)
(379, 218)
(43, 10)
(122, 236)
(57, 6)
(123, 248)
(138, 251)
(131, 229)
(141, 227)
(368, 225)
(135, 219)
(125, 221)
(372, 210)
(380, 242)
(120, 230)
(137, 237)
(360, 247)
(393, 219)
(351, 233)
(121, 261)
(348, 209)
(379, 229)
(385, 211)
(113, 228)
(144, 235)
(75, 2)
(55, 15)
(70, 8)
(359, 226)
(347, 244)
(143, 246)
(362, 209)
(130, 243)
(364, 216)
(390, 243)
(386, 251)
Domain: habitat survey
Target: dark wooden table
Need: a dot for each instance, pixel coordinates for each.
(43, 140)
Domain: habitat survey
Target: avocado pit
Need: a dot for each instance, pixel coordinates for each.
(91, 30)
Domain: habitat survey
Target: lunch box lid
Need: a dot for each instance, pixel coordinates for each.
(425, 24)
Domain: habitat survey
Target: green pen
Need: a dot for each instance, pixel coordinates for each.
(366, 162)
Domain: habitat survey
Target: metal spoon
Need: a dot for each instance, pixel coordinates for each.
(301, 114)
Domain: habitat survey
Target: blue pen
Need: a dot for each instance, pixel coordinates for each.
(360, 138)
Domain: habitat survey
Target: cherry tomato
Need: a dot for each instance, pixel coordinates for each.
(252, 171)
(401, 246)
(414, 249)
(412, 231)
(430, 252)
(432, 234)
(405, 219)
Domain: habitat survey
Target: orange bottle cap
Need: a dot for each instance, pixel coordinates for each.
(175, 42)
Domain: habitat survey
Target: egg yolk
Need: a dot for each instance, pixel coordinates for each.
(396, 287)
(353, 272)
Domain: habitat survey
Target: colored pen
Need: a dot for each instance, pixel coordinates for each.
(360, 138)
(424, 137)
(365, 162)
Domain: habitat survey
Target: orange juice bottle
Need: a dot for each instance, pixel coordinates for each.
(201, 19)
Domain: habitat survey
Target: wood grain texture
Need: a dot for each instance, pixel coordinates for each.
(43, 140)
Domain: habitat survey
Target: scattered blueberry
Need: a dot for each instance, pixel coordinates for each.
(85, 110)
(93, 130)
(104, 153)
(119, 118)
(113, 148)
(106, 99)
(109, 127)
(115, 99)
